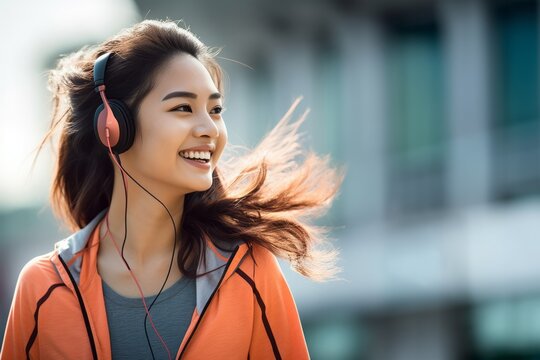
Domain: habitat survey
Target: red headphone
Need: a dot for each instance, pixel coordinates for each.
(113, 116)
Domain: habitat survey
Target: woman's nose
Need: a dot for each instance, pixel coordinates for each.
(206, 126)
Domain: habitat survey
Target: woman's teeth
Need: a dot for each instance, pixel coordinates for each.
(201, 156)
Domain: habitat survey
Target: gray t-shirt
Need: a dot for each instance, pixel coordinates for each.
(171, 314)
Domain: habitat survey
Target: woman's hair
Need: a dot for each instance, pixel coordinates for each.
(266, 198)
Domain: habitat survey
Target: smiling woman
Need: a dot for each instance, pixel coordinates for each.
(140, 182)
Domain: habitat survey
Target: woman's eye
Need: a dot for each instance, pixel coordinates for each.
(218, 109)
(182, 107)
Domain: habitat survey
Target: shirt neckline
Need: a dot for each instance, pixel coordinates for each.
(166, 294)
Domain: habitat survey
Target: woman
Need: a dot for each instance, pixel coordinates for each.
(137, 179)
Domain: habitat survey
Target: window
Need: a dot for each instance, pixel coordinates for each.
(516, 125)
(341, 336)
(325, 119)
(506, 329)
(416, 129)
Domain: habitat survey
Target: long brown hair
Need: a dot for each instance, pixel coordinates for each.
(266, 198)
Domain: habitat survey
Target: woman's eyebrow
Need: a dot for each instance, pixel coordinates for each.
(189, 95)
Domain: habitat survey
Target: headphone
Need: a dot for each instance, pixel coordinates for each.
(112, 114)
(114, 127)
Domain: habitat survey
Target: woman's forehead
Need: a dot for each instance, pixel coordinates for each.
(184, 73)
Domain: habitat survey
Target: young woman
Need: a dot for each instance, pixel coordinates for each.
(172, 256)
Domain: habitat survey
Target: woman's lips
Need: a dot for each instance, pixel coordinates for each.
(197, 164)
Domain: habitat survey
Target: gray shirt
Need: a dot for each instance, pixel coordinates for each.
(171, 314)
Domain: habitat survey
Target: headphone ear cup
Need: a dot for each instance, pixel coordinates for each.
(126, 125)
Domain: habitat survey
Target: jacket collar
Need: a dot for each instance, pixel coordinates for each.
(69, 247)
(219, 263)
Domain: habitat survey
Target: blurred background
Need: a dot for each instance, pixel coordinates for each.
(433, 106)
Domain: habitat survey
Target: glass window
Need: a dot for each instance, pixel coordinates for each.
(516, 130)
(416, 118)
(516, 31)
(507, 329)
(325, 120)
(342, 336)
(328, 85)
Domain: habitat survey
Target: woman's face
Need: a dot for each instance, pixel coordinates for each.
(182, 111)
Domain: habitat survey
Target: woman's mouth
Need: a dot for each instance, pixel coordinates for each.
(199, 159)
(200, 156)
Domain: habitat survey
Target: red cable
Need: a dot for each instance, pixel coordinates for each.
(119, 253)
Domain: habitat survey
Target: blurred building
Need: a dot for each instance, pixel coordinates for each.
(434, 108)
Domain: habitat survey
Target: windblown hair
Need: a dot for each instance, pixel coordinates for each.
(266, 198)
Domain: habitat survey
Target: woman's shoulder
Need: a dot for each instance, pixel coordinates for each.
(262, 256)
(263, 273)
(37, 274)
(40, 265)
(262, 262)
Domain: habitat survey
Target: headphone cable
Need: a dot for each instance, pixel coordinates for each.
(123, 171)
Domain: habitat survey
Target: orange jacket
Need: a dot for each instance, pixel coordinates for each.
(245, 309)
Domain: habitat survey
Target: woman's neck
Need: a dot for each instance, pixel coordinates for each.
(150, 231)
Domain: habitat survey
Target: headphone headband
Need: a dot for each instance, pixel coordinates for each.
(99, 69)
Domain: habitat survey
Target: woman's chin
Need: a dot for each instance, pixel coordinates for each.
(188, 183)
(200, 186)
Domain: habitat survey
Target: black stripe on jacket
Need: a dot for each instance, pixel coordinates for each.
(262, 305)
(40, 302)
(83, 310)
